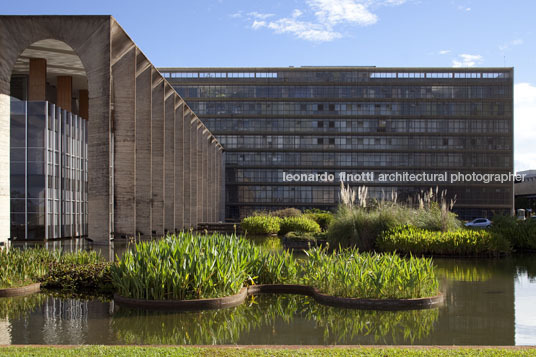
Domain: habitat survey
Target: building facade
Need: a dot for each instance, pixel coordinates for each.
(152, 166)
(48, 171)
(354, 120)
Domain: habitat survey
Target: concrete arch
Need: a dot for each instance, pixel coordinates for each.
(135, 116)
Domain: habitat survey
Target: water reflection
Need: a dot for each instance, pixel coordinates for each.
(488, 302)
(273, 318)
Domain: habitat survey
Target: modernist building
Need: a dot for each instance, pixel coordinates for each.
(353, 120)
(101, 144)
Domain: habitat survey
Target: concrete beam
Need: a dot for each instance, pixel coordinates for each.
(124, 89)
(143, 152)
(5, 219)
(169, 161)
(179, 165)
(194, 178)
(157, 147)
(187, 166)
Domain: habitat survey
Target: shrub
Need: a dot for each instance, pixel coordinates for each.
(261, 224)
(435, 219)
(409, 239)
(358, 227)
(521, 234)
(286, 212)
(298, 224)
(92, 278)
(322, 218)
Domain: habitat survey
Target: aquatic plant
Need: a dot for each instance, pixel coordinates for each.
(261, 224)
(349, 273)
(408, 239)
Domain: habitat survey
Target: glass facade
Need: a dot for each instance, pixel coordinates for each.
(48, 172)
(355, 119)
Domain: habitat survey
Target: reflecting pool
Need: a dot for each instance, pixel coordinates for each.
(487, 302)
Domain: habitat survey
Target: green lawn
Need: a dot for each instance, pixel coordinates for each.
(246, 351)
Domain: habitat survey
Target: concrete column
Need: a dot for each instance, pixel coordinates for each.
(143, 151)
(206, 174)
(194, 179)
(5, 207)
(64, 92)
(124, 89)
(213, 182)
(169, 160)
(187, 167)
(83, 105)
(201, 174)
(157, 147)
(38, 79)
(179, 165)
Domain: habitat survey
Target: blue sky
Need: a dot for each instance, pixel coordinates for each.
(398, 33)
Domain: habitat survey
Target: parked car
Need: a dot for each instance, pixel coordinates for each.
(479, 222)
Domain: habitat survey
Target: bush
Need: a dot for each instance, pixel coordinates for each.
(92, 278)
(286, 212)
(261, 224)
(409, 239)
(298, 224)
(358, 227)
(521, 234)
(435, 219)
(322, 218)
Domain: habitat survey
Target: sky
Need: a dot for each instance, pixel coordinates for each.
(391, 33)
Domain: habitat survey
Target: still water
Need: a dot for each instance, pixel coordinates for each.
(487, 302)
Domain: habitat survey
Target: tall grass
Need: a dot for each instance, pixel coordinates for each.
(20, 267)
(348, 273)
(359, 221)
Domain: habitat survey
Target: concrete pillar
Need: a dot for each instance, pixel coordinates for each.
(206, 175)
(187, 167)
(64, 92)
(179, 165)
(5, 207)
(157, 147)
(143, 150)
(38, 79)
(124, 89)
(194, 179)
(83, 105)
(213, 182)
(201, 173)
(169, 160)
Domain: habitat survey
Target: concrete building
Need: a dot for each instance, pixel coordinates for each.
(525, 192)
(355, 120)
(152, 166)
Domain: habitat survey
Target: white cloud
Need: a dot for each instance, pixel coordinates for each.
(444, 52)
(524, 126)
(466, 60)
(333, 12)
(304, 30)
(506, 46)
(319, 22)
(236, 15)
(258, 15)
(464, 8)
(258, 24)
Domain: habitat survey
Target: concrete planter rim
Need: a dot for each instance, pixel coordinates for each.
(20, 291)
(324, 299)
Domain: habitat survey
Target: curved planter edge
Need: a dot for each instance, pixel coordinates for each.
(20, 291)
(235, 300)
(185, 305)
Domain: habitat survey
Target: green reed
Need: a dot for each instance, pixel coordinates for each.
(20, 267)
(348, 273)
